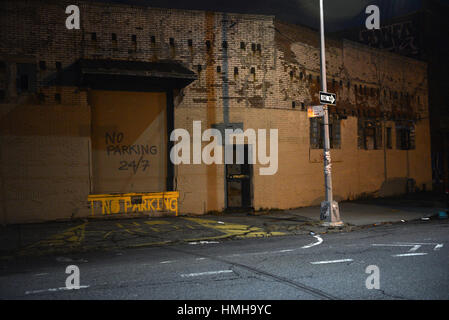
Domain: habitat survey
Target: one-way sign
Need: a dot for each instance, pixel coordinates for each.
(328, 98)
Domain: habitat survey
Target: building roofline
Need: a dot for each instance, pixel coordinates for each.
(342, 41)
(99, 3)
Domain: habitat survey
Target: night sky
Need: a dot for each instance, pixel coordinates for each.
(339, 14)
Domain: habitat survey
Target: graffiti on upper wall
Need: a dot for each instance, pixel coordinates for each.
(135, 202)
(115, 147)
(398, 37)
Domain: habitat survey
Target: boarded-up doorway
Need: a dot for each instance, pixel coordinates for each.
(128, 141)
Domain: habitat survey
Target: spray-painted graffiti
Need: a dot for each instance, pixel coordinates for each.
(398, 37)
(114, 147)
(135, 166)
(135, 202)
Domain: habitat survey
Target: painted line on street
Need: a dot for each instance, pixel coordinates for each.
(285, 250)
(416, 247)
(54, 290)
(409, 254)
(320, 240)
(392, 245)
(107, 234)
(205, 273)
(233, 230)
(332, 261)
(168, 261)
(204, 242)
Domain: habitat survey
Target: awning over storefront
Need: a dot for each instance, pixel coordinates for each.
(109, 74)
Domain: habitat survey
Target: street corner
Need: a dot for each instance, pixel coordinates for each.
(131, 233)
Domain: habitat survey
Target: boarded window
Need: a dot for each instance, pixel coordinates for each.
(317, 133)
(369, 134)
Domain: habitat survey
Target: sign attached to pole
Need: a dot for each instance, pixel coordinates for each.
(328, 98)
(315, 111)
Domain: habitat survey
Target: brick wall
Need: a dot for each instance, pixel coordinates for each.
(251, 69)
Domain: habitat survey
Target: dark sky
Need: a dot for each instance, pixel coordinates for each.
(339, 14)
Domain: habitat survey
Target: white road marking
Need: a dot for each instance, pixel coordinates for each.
(332, 261)
(205, 273)
(416, 247)
(54, 290)
(422, 243)
(203, 242)
(259, 253)
(409, 254)
(393, 245)
(314, 243)
(168, 261)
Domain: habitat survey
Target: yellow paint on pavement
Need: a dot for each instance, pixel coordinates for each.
(107, 234)
(232, 229)
(146, 244)
(71, 237)
(157, 222)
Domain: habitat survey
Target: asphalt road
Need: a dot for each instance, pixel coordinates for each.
(412, 259)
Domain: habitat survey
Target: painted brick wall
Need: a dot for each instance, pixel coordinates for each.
(250, 68)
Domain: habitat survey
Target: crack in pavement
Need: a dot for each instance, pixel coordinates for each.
(305, 288)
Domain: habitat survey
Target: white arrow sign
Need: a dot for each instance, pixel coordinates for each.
(328, 98)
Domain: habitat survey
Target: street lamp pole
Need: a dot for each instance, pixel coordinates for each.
(329, 208)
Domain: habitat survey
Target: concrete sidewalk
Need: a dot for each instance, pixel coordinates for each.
(362, 214)
(115, 234)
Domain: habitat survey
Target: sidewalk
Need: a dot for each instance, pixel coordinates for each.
(115, 234)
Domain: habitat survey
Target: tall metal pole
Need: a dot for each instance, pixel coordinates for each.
(332, 214)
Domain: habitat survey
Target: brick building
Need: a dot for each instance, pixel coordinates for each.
(87, 114)
(422, 35)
